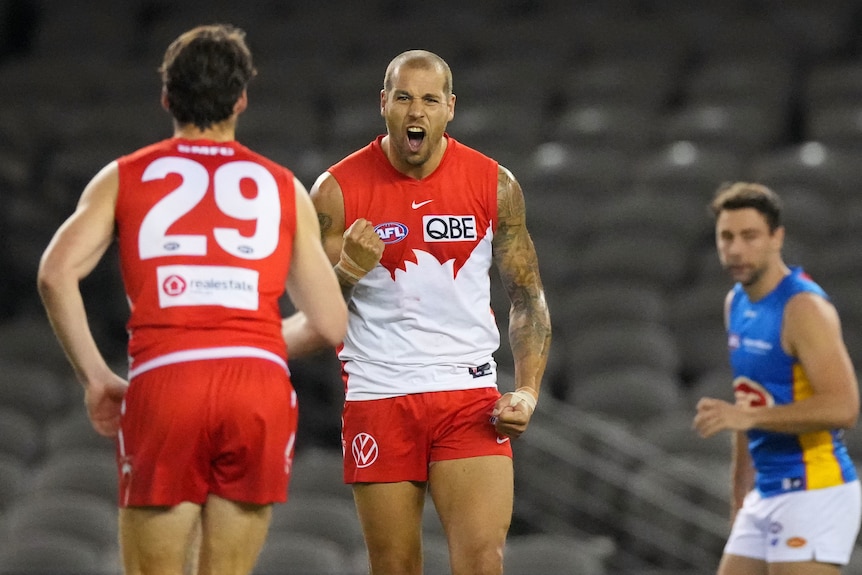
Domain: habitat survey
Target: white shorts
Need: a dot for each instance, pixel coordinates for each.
(818, 525)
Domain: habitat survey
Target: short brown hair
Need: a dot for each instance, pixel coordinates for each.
(204, 72)
(739, 195)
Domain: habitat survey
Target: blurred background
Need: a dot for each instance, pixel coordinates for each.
(620, 118)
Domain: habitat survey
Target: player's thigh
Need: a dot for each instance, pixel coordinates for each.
(739, 565)
(233, 534)
(804, 568)
(391, 516)
(156, 539)
(474, 498)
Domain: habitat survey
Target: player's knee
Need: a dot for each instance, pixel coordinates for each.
(385, 563)
(485, 559)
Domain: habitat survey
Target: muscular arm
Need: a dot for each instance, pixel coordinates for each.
(742, 472)
(71, 255)
(812, 333)
(517, 264)
(311, 284)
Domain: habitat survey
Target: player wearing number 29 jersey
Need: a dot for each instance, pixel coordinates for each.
(205, 231)
(210, 236)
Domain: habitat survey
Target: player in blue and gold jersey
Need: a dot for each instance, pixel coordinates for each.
(796, 498)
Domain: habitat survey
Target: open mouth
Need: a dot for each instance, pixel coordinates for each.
(415, 137)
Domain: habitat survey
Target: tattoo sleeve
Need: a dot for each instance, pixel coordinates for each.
(332, 246)
(518, 266)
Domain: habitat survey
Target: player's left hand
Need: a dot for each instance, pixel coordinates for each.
(512, 413)
(104, 400)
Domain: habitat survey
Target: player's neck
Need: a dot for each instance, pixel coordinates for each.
(768, 281)
(223, 132)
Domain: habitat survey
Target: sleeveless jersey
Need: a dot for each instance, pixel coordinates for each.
(421, 320)
(205, 232)
(769, 376)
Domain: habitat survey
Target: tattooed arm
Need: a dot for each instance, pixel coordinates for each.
(529, 320)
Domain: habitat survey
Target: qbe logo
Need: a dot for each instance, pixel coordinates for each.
(449, 228)
(391, 232)
(365, 450)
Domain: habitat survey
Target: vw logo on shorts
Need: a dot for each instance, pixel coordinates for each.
(364, 449)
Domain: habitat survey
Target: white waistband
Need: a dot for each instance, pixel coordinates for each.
(207, 353)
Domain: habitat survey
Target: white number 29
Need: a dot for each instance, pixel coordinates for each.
(264, 209)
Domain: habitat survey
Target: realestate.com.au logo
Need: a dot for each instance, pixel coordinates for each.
(174, 285)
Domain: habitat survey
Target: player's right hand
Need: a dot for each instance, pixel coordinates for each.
(362, 248)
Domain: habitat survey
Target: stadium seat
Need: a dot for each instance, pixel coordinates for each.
(435, 552)
(319, 472)
(50, 554)
(27, 338)
(33, 389)
(296, 553)
(685, 167)
(646, 80)
(738, 126)
(623, 344)
(831, 173)
(616, 126)
(830, 83)
(21, 436)
(764, 81)
(697, 324)
(552, 555)
(673, 434)
(328, 517)
(14, 477)
(73, 431)
(79, 471)
(654, 259)
(90, 519)
(716, 382)
(646, 210)
(584, 172)
(838, 125)
(582, 307)
(631, 396)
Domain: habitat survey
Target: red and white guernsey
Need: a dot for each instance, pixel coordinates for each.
(421, 320)
(205, 232)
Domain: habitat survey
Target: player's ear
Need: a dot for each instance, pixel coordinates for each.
(165, 104)
(241, 103)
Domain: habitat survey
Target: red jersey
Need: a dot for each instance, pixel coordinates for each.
(421, 320)
(205, 231)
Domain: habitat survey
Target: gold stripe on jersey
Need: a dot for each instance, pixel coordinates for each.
(818, 453)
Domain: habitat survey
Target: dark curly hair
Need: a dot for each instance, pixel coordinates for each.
(204, 72)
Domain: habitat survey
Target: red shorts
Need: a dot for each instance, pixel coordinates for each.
(395, 439)
(220, 426)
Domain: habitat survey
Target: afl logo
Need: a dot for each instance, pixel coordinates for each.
(751, 393)
(174, 285)
(733, 342)
(365, 450)
(391, 232)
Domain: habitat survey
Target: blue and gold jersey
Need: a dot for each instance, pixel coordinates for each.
(768, 376)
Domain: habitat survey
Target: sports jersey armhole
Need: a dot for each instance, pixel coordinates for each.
(494, 203)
